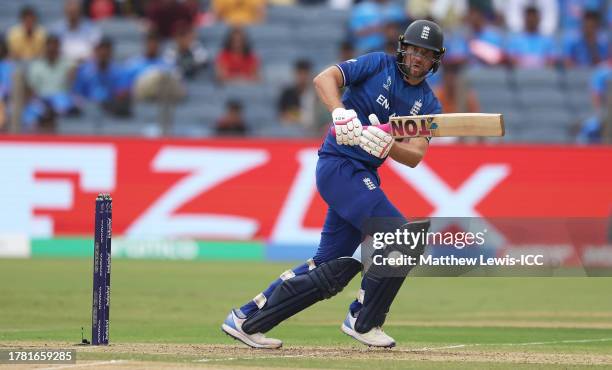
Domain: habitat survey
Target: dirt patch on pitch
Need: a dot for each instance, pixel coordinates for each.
(535, 314)
(221, 356)
(505, 324)
(130, 365)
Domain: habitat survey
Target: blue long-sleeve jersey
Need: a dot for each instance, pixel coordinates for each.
(375, 85)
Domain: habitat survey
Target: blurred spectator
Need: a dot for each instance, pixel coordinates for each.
(514, 13)
(166, 17)
(101, 9)
(600, 83)
(78, 35)
(26, 40)
(150, 77)
(479, 42)
(572, 12)
(391, 30)
(607, 123)
(236, 61)
(133, 7)
(453, 94)
(49, 79)
(531, 49)
(422, 9)
(447, 13)
(598, 127)
(589, 48)
(367, 23)
(296, 104)
(99, 80)
(240, 12)
(232, 122)
(591, 131)
(7, 69)
(347, 51)
(3, 117)
(187, 53)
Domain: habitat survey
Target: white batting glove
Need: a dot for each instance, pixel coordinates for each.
(347, 126)
(374, 140)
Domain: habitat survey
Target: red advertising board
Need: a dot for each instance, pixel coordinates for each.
(265, 189)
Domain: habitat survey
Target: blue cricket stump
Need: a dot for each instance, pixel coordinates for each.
(101, 270)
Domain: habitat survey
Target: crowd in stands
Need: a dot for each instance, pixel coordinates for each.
(70, 63)
(522, 34)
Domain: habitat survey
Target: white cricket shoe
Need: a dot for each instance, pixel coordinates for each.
(232, 326)
(376, 337)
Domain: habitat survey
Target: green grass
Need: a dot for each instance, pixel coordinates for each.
(185, 302)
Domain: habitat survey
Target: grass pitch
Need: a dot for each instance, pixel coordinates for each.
(168, 314)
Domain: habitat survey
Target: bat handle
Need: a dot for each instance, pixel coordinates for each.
(386, 127)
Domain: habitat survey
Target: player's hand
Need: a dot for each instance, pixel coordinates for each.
(347, 126)
(374, 140)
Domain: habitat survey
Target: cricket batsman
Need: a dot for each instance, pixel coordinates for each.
(378, 86)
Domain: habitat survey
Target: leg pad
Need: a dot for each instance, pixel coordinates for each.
(381, 285)
(301, 291)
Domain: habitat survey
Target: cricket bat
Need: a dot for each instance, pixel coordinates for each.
(445, 125)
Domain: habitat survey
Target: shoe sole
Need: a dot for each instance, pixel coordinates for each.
(353, 334)
(235, 334)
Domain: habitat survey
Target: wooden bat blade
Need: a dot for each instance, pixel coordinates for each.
(445, 125)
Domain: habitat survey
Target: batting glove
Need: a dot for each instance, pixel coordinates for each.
(347, 126)
(374, 140)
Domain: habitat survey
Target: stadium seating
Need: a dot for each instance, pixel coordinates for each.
(539, 105)
(279, 45)
(547, 101)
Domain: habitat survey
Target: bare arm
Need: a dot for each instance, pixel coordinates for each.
(409, 152)
(327, 85)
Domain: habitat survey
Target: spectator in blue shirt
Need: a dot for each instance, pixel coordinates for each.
(479, 42)
(530, 48)
(150, 76)
(367, 21)
(391, 30)
(600, 82)
(7, 69)
(596, 128)
(151, 58)
(572, 12)
(588, 48)
(591, 131)
(99, 80)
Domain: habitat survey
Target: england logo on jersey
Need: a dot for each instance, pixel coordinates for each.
(416, 107)
(368, 183)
